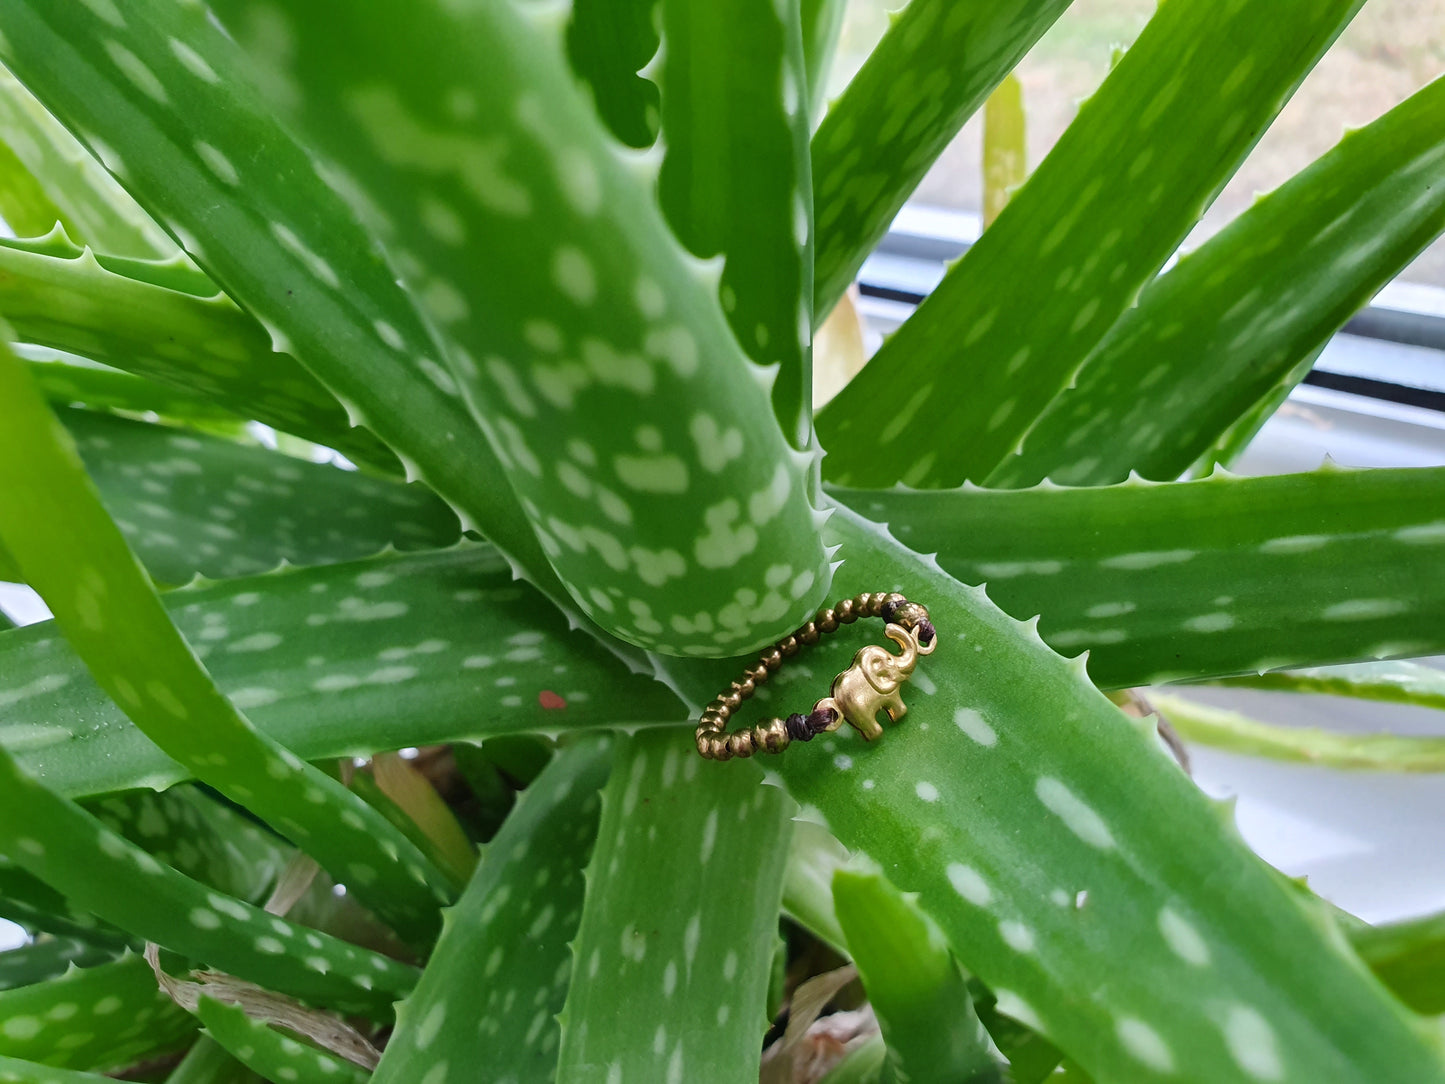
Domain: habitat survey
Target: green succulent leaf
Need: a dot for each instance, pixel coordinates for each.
(1238, 733)
(822, 24)
(90, 205)
(207, 1062)
(47, 959)
(1005, 147)
(70, 380)
(1229, 445)
(898, 114)
(1233, 324)
(1409, 957)
(585, 310)
(19, 1071)
(813, 858)
(500, 971)
(194, 834)
(1399, 682)
(277, 235)
(193, 504)
(95, 868)
(1225, 575)
(736, 177)
(268, 1052)
(951, 393)
(24, 205)
(103, 1017)
(168, 322)
(1009, 800)
(914, 985)
(861, 1066)
(361, 639)
(609, 43)
(72, 553)
(1032, 1058)
(36, 907)
(683, 994)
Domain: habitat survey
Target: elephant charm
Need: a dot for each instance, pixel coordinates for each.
(874, 681)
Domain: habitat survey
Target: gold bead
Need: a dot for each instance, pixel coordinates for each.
(744, 688)
(774, 736)
(773, 660)
(740, 743)
(827, 621)
(909, 614)
(760, 673)
(731, 700)
(788, 646)
(846, 611)
(808, 634)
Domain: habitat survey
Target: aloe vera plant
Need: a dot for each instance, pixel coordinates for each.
(547, 274)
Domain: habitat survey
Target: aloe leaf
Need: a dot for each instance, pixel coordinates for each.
(196, 835)
(736, 177)
(413, 793)
(366, 786)
(168, 322)
(609, 43)
(493, 656)
(100, 871)
(613, 320)
(253, 210)
(268, 1052)
(1234, 320)
(683, 994)
(1238, 733)
(1224, 575)
(103, 1017)
(1014, 320)
(1009, 799)
(914, 985)
(863, 1065)
(1005, 148)
(1399, 682)
(72, 553)
(814, 857)
(69, 380)
(1409, 957)
(500, 971)
(822, 23)
(1228, 445)
(24, 205)
(91, 205)
(189, 503)
(899, 112)
(39, 909)
(18, 1071)
(207, 1062)
(47, 959)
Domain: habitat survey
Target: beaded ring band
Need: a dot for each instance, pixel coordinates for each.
(871, 684)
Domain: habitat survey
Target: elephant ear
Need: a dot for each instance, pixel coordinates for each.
(880, 666)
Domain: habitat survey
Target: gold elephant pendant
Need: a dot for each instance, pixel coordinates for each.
(874, 682)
